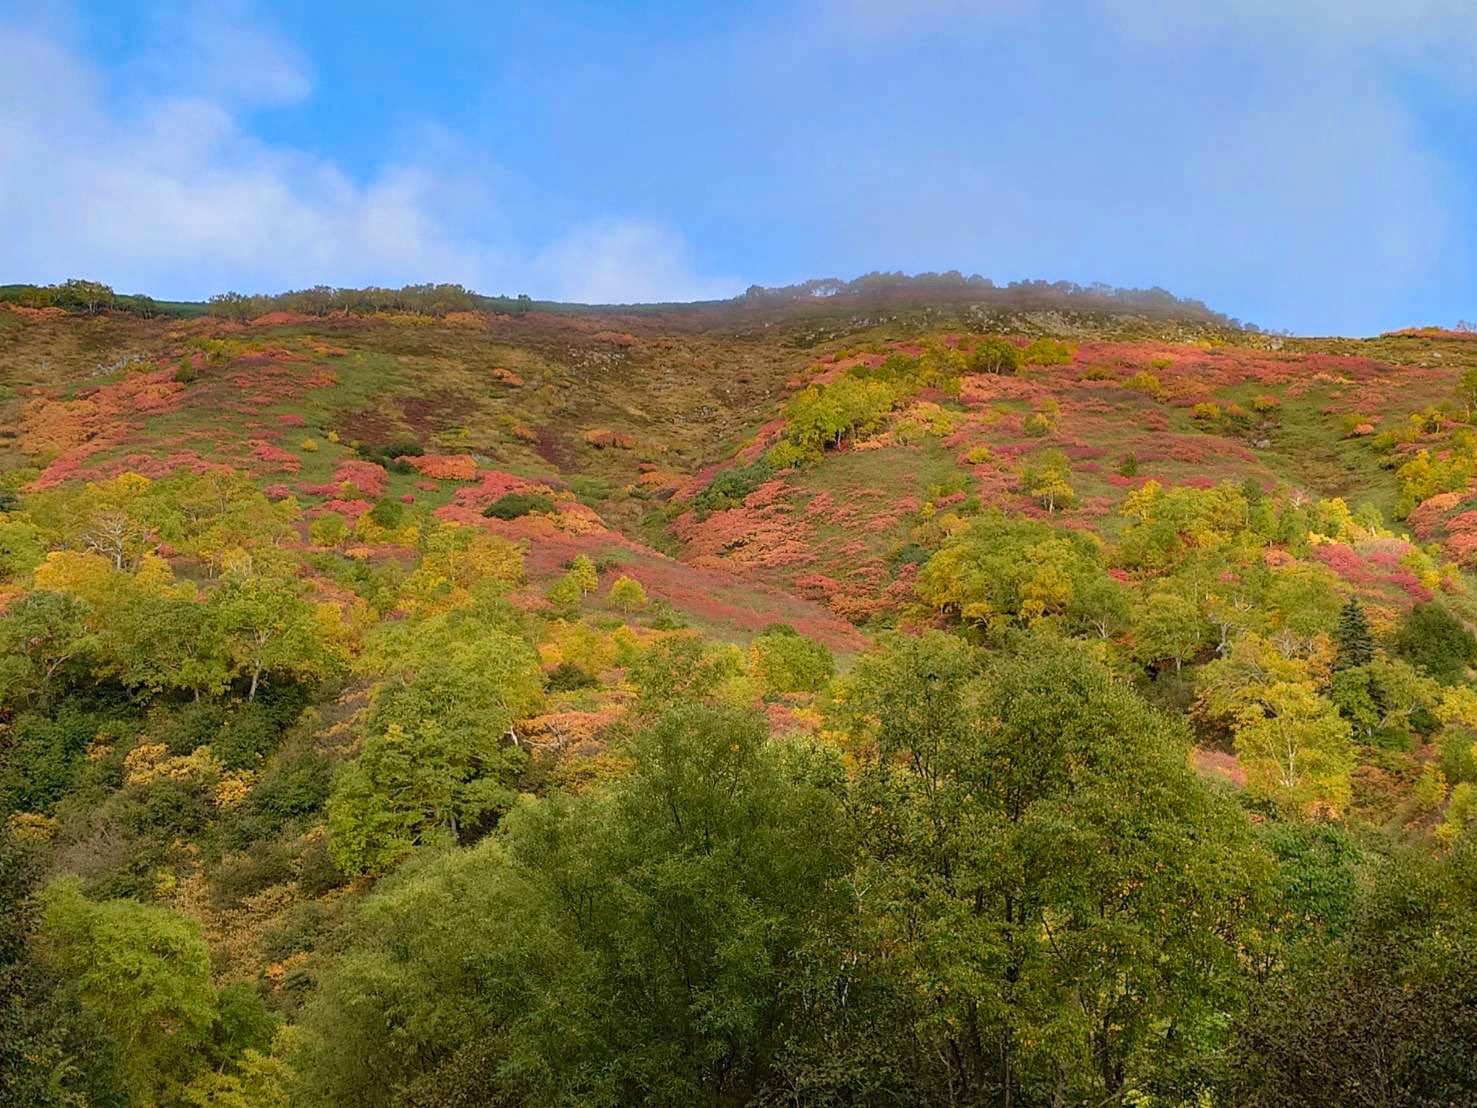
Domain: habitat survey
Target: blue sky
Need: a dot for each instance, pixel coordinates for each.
(1308, 164)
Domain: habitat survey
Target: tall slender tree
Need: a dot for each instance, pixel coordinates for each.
(1354, 642)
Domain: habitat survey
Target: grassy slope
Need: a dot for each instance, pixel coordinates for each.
(843, 546)
(674, 394)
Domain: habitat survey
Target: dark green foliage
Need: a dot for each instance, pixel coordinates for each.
(1352, 638)
(42, 757)
(91, 297)
(911, 554)
(388, 513)
(512, 505)
(52, 1053)
(300, 931)
(317, 872)
(45, 647)
(236, 876)
(568, 677)
(172, 810)
(779, 629)
(241, 735)
(676, 669)
(936, 368)
(1432, 638)
(144, 973)
(321, 300)
(589, 490)
(391, 455)
(1129, 466)
(440, 755)
(242, 1023)
(896, 368)
(728, 488)
(295, 788)
(377, 582)
(1387, 1015)
(1356, 694)
(247, 738)
(190, 726)
(1317, 881)
(1357, 1034)
(661, 616)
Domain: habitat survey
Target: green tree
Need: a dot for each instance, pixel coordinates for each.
(152, 642)
(144, 973)
(660, 942)
(1379, 1011)
(782, 660)
(1355, 694)
(1047, 351)
(1168, 627)
(995, 355)
(260, 1081)
(515, 505)
(679, 668)
(1431, 638)
(52, 1052)
(84, 296)
(1101, 606)
(582, 572)
(22, 545)
(441, 753)
(1062, 938)
(579, 580)
(1001, 571)
(1354, 643)
(44, 642)
(329, 529)
(270, 630)
(1304, 604)
(824, 416)
(1467, 391)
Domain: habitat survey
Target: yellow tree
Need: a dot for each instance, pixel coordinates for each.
(1046, 477)
(1295, 749)
(627, 594)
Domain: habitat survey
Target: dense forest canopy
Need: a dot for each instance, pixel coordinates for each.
(409, 701)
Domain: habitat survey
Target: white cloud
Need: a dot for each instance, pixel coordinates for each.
(626, 262)
(169, 194)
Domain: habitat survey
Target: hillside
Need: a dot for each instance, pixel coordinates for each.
(304, 602)
(635, 415)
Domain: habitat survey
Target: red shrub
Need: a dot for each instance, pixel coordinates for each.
(446, 467)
